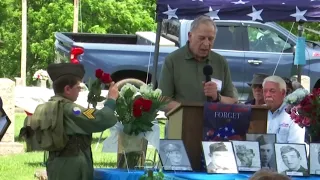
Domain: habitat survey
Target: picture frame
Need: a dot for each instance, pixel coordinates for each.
(173, 155)
(314, 159)
(291, 159)
(219, 157)
(4, 123)
(247, 154)
(267, 151)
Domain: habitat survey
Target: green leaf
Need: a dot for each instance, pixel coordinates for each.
(128, 94)
(96, 89)
(100, 98)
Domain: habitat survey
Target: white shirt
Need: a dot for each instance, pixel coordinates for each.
(286, 130)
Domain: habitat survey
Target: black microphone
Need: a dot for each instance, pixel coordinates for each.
(207, 71)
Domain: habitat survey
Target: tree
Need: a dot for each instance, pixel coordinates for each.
(10, 31)
(43, 20)
(114, 16)
(45, 17)
(308, 35)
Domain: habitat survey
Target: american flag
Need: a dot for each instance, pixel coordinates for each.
(218, 128)
(255, 10)
(224, 133)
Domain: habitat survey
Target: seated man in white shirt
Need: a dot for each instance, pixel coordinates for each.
(279, 121)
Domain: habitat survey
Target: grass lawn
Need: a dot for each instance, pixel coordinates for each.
(23, 166)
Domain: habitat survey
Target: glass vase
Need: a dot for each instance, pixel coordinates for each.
(42, 83)
(131, 151)
(311, 137)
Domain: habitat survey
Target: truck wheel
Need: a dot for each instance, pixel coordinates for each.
(135, 82)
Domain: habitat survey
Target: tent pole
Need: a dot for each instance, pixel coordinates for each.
(156, 55)
(299, 67)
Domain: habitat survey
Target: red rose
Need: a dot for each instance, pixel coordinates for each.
(138, 103)
(306, 100)
(316, 91)
(74, 61)
(307, 108)
(146, 105)
(106, 78)
(305, 121)
(141, 105)
(137, 112)
(137, 107)
(99, 73)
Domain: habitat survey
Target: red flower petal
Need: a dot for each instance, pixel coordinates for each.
(99, 73)
(106, 78)
(146, 105)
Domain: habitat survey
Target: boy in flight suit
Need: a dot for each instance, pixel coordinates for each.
(65, 129)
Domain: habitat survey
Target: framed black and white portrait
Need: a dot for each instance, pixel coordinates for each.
(173, 155)
(247, 155)
(314, 157)
(292, 159)
(4, 123)
(219, 157)
(266, 146)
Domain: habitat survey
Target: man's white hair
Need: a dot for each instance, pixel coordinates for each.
(276, 79)
(203, 19)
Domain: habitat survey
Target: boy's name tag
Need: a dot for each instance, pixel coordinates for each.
(218, 82)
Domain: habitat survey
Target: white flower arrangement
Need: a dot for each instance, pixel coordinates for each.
(40, 75)
(148, 92)
(296, 96)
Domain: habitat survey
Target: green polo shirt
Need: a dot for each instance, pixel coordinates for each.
(182, 76)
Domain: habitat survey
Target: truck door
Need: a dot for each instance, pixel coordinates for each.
(228, 43)
(264, 46)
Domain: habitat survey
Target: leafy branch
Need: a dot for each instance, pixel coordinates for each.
(150, 175)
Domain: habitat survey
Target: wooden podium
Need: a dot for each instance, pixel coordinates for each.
(186, 122)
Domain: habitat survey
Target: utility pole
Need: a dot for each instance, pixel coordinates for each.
(24, 43)
(75, 15)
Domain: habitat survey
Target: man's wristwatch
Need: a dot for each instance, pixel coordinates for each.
(218, 97)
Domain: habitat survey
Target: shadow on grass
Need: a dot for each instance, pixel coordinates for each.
(96, 164)
(18, 139)
(96, 139)
(35, 164)
(22, 140)
(105, 164)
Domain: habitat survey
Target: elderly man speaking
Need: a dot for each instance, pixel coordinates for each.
(182, 76)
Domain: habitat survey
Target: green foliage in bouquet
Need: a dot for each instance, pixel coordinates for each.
(138, 108)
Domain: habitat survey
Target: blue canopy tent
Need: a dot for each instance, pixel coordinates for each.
(255, 10)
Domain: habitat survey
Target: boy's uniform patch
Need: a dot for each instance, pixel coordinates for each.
(89, 113)
(76, 111)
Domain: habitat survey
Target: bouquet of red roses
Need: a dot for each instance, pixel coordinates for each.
(307, 112)
(137, 109)
(95, 87)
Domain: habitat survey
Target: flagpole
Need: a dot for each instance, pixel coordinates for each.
(24, 43)
(75, 15)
